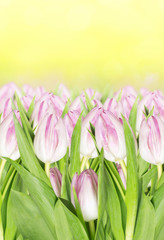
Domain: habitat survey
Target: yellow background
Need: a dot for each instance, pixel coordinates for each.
(82, 42)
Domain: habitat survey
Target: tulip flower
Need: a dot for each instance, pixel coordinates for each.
(127, 97)
(109, 135)
(48, 103)
(33, 92)
(26, 101)
(86, 188)
(7, 92)
(8, 146)
(50, 142)
(56, 180)
(94, 96)
(63, 92)
(114, 106)
(70, 120)
(153, 99)
(151, 140)
(87, 146)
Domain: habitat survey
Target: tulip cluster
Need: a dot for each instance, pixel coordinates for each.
(83, 147)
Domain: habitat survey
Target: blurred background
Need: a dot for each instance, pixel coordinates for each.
(82, 43)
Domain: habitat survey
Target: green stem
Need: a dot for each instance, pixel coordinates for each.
(2, 165)
(159, 168)
(92, 229)
(124, 169)
(8, 183)
(83, 163)
(47, 169)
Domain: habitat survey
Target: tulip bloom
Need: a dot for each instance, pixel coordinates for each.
(114, 106)
(151, 140)
(48, 103)
(50, 142)
(87, 146)
(56, 180)
(109, 135)
(86, 188)
(94, 96)
(9, 146)
(63, 92)
(152, 99)
(33, 92)
(127, 98)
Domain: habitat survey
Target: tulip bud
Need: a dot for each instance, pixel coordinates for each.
(86, 188)
(56, 180)
(127, 97)
(153, 99)
(8, 146)
(76, 105)
(70, 120)
(114, 106)
(26, 101)
(64, 93)
(33, 92)
(109, 135)
(7, 92)
(151, 140)
(48, 103)
(50, 142)
(87, 145)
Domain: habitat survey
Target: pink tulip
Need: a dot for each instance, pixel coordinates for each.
(153, 99)
(7, 92)
(7, 109)
(125, 92)
(70, 120)
(87, 146)
(50, 142)
(56, 180)
(64, 93)
(144, 91)
(127, 98)
(48, 103)
(33, 92)
(109, 135)
(151, 140)
(8, 146)
(86, 188)
(77, 103)
(114, 106)
(26, 101)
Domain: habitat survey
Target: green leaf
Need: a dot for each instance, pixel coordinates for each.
(27, 155)
(146, 178)
(68, 226)
(142, 165)
(27, 218)
(159, 220)
(25, 123)
(41, 193)
(66, 108)
(145, 224)
(132, 183)
(108, 200)
(75, 148)
(133, 116)
(31, 108)
(158, 196)
(88, 102)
